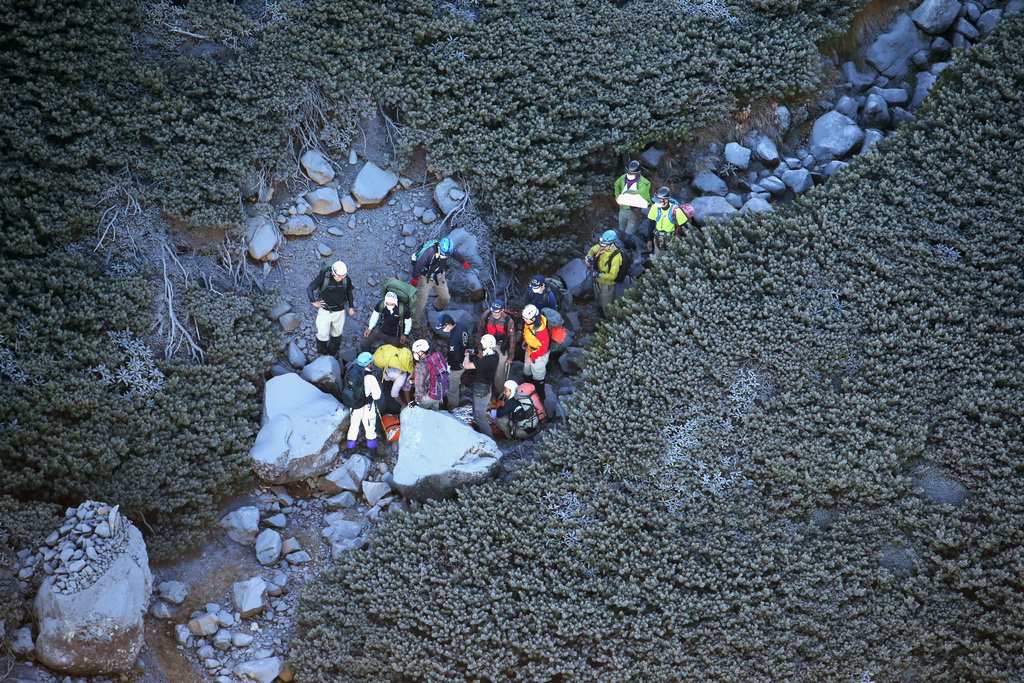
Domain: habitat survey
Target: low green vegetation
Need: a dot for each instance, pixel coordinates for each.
(794, 453)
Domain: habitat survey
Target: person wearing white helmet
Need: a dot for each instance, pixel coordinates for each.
(486, 366)
(431, 377)
(517, 417)
(329, 292)
(537, 342)
(390, 322)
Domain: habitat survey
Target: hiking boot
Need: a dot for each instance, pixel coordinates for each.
(333, 346)
(371, 444)
(349, 445)
(321, 348)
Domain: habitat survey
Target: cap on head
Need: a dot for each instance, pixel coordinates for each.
(445, 246)
(445, 321)
(364, 359)
(511, 386)
(530, 312)
(537, 282)
(497, 306)
(339, 269)
(633, 167)
(420, 346)
(664, 193)
(609, 237)
(391, 298)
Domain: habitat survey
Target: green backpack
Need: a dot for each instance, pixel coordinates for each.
(406, 292)
(415, 256)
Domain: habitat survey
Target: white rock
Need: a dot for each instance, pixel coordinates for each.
(348, 205)
(935, 16)
(345, 499)
(784, 117)
(316, 167)
(705, 208)
(467, 244)
(925, 81)
(798, 180)
(651, 157)
(260, 670)
(756, 204)
(324, 373)
(834, 134)
(204, 625)
(442, 196)
(738, 155)
(324, 201)
(373, 184)
(709, 183)
(262, 237)
(160, 610)
(222, 639)
(428, 217)
(348, 477)
(182, 634)
(302, 206)
(268, 547)
(290, 546)
(892, 53)
(298, 226)
(871, 136)
(242, 639)
(277, 521)
(437, 453)
(340, 529)
(21, 643)
(295, 356)
(300, 432)
(99, 629)
(242, 525)
(298, 557)
(250, 597)
(353, 159)
(766, 150)
(375, 490)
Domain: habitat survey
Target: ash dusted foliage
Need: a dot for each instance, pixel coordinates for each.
(88, 412)
(795, 453)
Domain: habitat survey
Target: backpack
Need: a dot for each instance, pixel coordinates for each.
(688, 211)
(353, 391)
(406, 293)
(563, 297)
(426, 245)
(553, 316)
(528, 391)
(439, 378)
(627, 264)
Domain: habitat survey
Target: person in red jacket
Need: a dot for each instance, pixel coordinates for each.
(537, 342)
(500, 324)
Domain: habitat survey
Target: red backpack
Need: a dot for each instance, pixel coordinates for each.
(530, 391)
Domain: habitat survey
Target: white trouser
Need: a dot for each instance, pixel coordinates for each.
(329, 324)
(367, 416)
(537, 369)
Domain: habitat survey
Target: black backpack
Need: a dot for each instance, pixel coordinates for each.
(627, 264)
(353, 391)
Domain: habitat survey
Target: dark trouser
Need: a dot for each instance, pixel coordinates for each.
(481, 397)
(377, 336)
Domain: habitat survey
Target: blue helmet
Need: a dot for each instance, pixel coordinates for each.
(609, 237)
(364, 359)
(445, 246)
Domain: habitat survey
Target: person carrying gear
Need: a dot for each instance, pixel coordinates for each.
(329, 294)
(499, 323)
(398, 366)
(664, 220)
(486, 367)
(540, 295)
(431, 377)
(428, 269)
(632, 184)
(458, 342)
(537, 342)
(392, 320)
(605, 260)
(517, 417)
(360, 392)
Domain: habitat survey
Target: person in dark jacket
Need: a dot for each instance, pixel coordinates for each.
(540, 295)
(486, 367)
(458, 343)
(428, 273)
(499, 323)
(390, 323)
(516, 417)
(329, 292)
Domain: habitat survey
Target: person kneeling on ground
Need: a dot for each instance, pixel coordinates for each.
(392, 320)
(360, 391)
(537, 342)
(486, 366)
(398, 366)
(517, 416)
(432, 377)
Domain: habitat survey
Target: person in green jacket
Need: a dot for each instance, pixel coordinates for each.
(605, 260)
(632, 183)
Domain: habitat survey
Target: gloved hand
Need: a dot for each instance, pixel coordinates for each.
(465, 265)
(415, 281)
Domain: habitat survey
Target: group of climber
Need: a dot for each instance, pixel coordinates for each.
(396, 374)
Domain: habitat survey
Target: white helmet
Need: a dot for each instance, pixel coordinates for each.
(420, 346)
(530, 312)
(339, 269)
(488, 342)
(511, 386)
(390, 298)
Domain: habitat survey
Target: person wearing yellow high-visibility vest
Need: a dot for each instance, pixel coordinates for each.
(664, 220)
(632, 183)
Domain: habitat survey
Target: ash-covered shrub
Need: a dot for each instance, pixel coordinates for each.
(794, 455)
(89, 411)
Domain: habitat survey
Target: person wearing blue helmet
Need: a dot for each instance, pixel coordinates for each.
(359, 392)
(428, 268)
(605, 260)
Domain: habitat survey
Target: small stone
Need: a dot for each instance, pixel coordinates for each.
(242, 639)
(323, 249)
(352, 158)
(268, 547)
(278, 521)
(429, 216)
(160, 610)
(404, 182)
(352, 223)
(243, 524)
(345, 499)
(299, 226)
(410, 242)
(348, 205)
(173, 592)
(290, 545)
(408, 229)
(182, 634)
(300, 557)
(317, 167)
(278, 311)
(290, 322)
(374, 491)
(335, 230)
(103, 530)
(250, 597)
(222, 640)
(418, 211)
(205, 625)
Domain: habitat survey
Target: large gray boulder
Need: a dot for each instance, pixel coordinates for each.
(798, 180)
(443, 195)
(705, 208)
(834, 134)
(766, 150)
(574, 275)
(299, 225)
(756, 204)
(935, 16)
(892, 53)
(301, 430)
(317, 167)
(324, 373)
(437, 453)
(709, 183)
(373, 184)
(262, 237)
(242, 525)
(738, 155)
(250, 597)
(468, 245)
(96, 627)
(324, 201)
